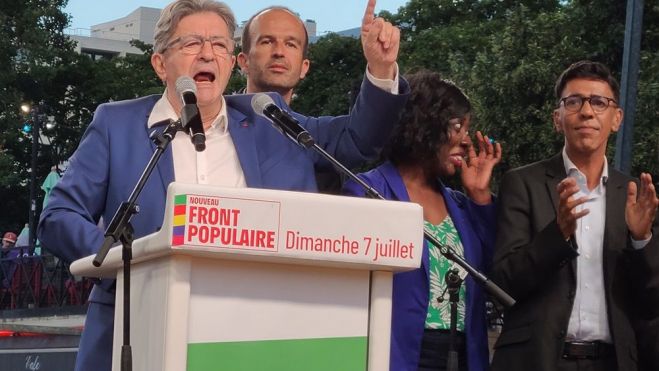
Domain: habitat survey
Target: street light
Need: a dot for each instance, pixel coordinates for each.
(37, 117)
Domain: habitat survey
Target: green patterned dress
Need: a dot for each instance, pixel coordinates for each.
(439, 314)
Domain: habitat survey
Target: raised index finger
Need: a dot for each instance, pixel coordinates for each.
(369, 14)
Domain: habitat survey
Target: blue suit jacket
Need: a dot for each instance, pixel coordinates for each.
(476, 226)
(116, 147)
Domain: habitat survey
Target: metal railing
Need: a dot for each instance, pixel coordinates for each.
(39, 281)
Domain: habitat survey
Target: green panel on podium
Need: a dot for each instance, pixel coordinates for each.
(330, 354)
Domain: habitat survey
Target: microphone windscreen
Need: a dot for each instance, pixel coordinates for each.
(260, 101)
(185, 84)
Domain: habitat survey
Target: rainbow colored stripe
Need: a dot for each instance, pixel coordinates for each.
(178, 224)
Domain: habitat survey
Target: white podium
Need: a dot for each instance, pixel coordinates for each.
(253, 279)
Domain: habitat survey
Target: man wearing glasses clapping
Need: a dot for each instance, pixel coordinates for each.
(578, 245)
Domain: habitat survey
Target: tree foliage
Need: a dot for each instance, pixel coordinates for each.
(337, 67)
(33, 55)
(646, 133)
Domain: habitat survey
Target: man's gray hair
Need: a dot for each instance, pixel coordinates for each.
(177, 10)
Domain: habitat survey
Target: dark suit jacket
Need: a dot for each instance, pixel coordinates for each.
(116, 147)
(535, 265)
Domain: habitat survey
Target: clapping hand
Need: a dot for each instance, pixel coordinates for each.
(567, 216)
(641, 208)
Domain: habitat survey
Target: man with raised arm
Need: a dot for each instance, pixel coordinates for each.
(193, 38)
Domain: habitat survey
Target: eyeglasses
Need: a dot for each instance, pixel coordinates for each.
(574, 103)
(193, 44)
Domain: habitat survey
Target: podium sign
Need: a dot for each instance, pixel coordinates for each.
(251, 279)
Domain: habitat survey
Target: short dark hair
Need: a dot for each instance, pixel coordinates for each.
(587, 70)
(246, 40)
(424, 124)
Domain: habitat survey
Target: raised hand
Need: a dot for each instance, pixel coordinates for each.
(380, 42)
(477, 171)
(567, 216)
(641, 208)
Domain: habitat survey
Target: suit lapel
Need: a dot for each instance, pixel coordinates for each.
(165, 166)
(394, 181)
(555, 173)
(242, 133)
(397, 187)
(614, 238)
(615, 208)
(456, 210)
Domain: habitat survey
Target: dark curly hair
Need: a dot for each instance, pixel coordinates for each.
(424, 124)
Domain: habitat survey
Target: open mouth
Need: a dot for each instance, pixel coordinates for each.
(204, 77)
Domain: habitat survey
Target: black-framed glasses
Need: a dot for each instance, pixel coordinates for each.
(193, 44)
(574, 103)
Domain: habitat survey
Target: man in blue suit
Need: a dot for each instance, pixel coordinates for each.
(242, 149)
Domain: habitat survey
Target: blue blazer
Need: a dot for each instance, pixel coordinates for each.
(116, 147)
(476, 226)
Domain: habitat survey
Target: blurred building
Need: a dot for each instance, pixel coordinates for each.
(112, 39)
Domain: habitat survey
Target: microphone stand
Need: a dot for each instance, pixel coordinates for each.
(453, 283)
(120, 229)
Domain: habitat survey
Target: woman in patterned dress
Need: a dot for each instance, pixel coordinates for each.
(432, 143)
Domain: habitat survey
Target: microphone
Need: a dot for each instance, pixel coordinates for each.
(190, 117)
(264, 106)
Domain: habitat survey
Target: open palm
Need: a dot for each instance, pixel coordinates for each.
(477, 171)
(641, 207)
